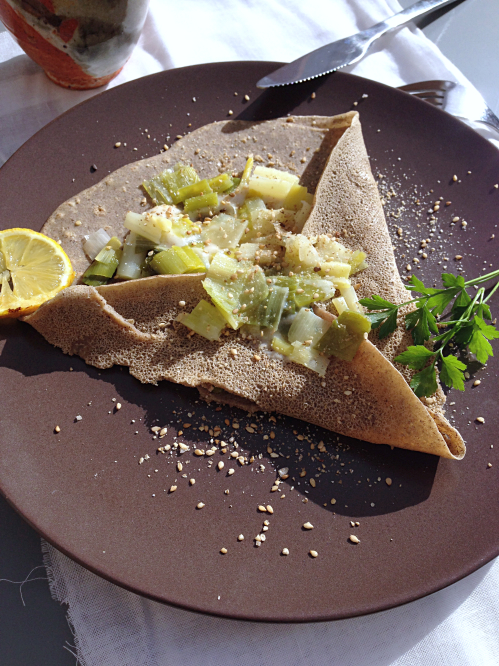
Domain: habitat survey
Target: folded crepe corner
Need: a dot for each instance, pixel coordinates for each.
(119, 324)
(134, 323)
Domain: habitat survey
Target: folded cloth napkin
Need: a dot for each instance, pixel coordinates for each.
(114, 627)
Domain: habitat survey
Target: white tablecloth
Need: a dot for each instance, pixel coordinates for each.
(458, 626)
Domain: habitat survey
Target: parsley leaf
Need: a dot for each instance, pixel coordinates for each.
(416, 357)
(424, 383)
(464, 325)
(389, 325)
(452, 372)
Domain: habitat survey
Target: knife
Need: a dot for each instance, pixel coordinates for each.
(345, 51)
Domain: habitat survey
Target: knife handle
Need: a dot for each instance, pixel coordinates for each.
(407, 15)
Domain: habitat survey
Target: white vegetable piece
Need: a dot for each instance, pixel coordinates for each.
(95, 242)
(307, 326)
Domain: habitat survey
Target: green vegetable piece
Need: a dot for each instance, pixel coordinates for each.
(310, 358)
(280, 345)
(357, 261)
(205, 320)
(424, 383)
(177, 261)
(194, 190)
(271, 311)
(94, 280)
(157, 190)
(203, 201)
(221, 183)
(104, 265)
(131, 258)
(224, 230)
(295, 196)
(307, 326)
(247, 172)
(182, 176)
(344, 336)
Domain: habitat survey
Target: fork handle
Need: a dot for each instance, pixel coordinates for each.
(407, 15)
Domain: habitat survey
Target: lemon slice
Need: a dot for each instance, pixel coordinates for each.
(33, 269)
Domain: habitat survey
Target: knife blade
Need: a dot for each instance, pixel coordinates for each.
(345, 51)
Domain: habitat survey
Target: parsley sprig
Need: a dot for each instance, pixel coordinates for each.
(465, 325)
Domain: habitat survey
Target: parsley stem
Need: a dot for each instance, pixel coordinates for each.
(492, 291)
(482, 278)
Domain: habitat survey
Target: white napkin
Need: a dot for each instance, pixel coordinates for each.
(113, 627)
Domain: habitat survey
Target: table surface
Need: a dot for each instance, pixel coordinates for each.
(36, 631)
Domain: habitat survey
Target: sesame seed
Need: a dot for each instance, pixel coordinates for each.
(312, 482)
(454, 178)
(231, 113)
(308, 526)
(220, 464)
(240, 537)
(285, 551)
(313, 553)
(333, 501)
(477, 382)
(247, 98)
(262, 508)
(312, 96)
(231, 471)
(456, 219)
(172, 489)
(200, 505)
(198, 452)
(57, 428)
(192, 481)
(388, 481)
(180, 467)
(223, 551)
(480, 419)
(181, 303)
(269, 509)
(117, 144)
(118, 406)
(78, 223)
(354, 539)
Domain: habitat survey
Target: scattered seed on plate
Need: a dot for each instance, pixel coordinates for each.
(388, 481)
(308, 526)
(200, 505)
(220, 464)
(480, 419)
(57, 428)
(269, 509)
(262, 508)
(240, 537)
(173, 489)
(231, 471)
(285, 551)
(223, 551)
(354, 539)
(313, 553)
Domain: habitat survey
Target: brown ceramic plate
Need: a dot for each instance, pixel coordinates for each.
(84, 490)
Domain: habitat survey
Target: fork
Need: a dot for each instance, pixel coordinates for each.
(458, 100)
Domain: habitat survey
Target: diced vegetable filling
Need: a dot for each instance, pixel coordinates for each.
(262, 275)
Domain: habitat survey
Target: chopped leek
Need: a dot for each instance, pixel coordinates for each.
(307, 327)
(344, 336)
(177, 261)
(131, 259)
(224, 230)
(335, 269)
(221, 183)
(301, 252)
(274, 307)
(205, 320)
(358, 261)
(194, 190)
(157, 190)
(310, 358)
(140, 225)
(271, 190)
(340, 304)
(351, 299)
(295, 196)
(280, 345)
(95, 242)
(202, 201)
(181, 177)
(275, 174)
